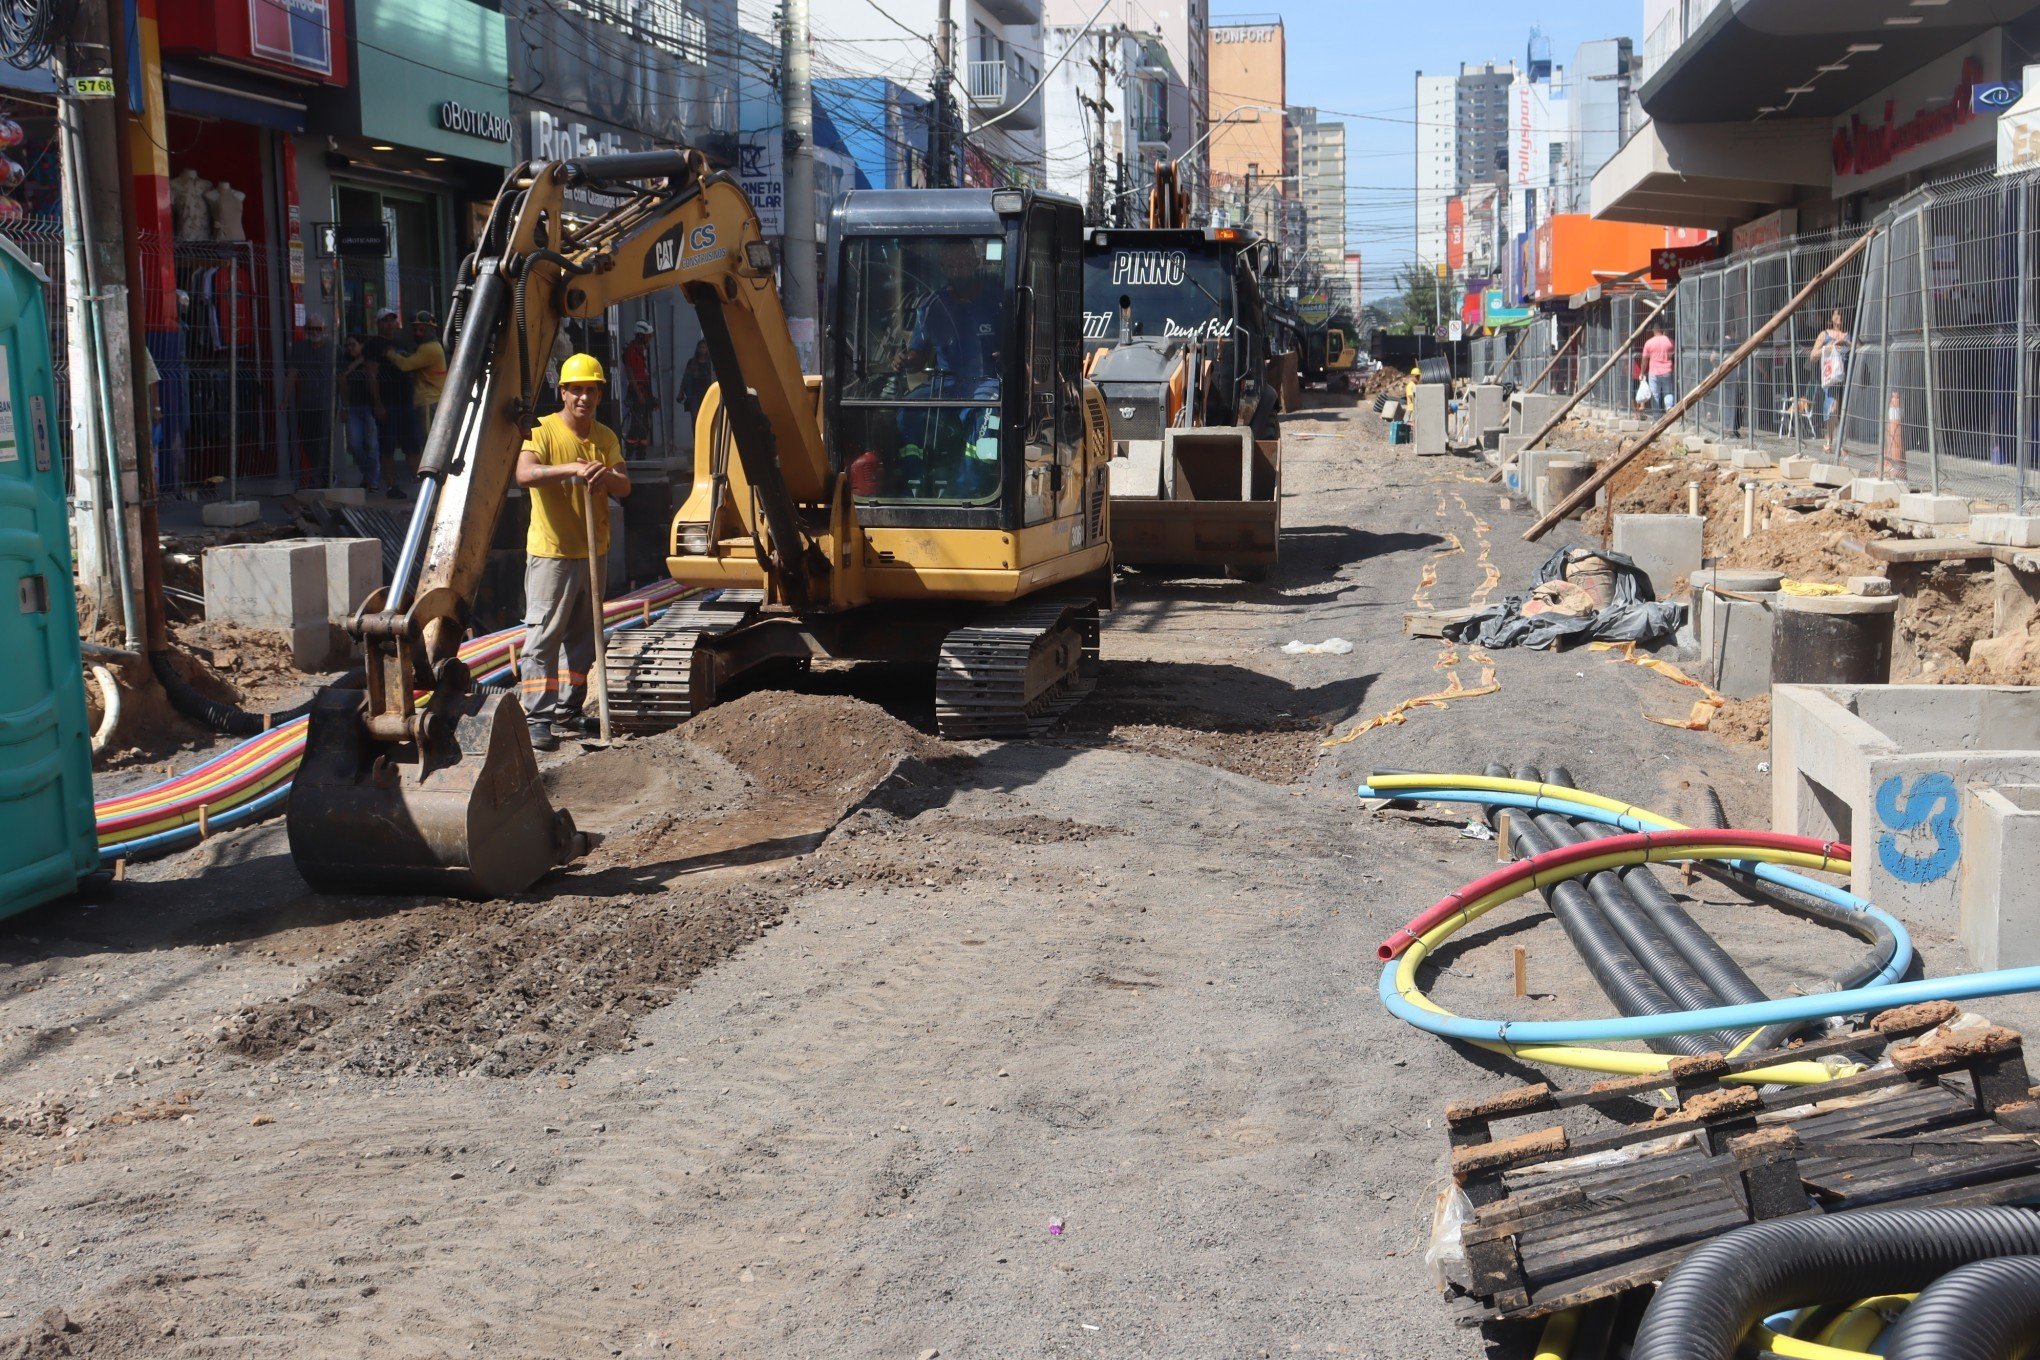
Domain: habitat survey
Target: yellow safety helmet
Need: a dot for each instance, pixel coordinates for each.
(581, 368)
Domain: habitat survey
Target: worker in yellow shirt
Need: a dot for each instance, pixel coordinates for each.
(427, 367)
(569, 455)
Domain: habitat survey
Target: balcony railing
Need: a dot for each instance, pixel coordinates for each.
(998, 86)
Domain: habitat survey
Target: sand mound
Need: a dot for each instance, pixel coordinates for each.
(1805, 547)
(615, 789)
(1746, 721)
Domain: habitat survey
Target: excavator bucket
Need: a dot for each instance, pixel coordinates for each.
(469, 819)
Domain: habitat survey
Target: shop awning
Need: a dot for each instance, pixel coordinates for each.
(1747, 55)
(1712, 175)
(202, 98)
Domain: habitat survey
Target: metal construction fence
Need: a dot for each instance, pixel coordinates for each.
(1919, 361)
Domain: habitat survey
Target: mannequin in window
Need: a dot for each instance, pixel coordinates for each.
(226, 203)
(188, 207)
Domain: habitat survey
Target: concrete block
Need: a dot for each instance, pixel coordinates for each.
(1922, 508)
(1528, 411)
(1999, 920)
(280, 585)
(1490, 408)
(2010, 531)
(1874, 491)
(1511, 445)
(1532, 464)
(1664, 547)
(1427, 421)
(1732, 618)
(1883, 768)
(1796, 469)
(354, 571)
(1870, 585)
(230, 514)
(1832, 474)
(1751, 458)
(1562, 478)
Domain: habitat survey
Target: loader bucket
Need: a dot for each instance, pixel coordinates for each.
(470, 819)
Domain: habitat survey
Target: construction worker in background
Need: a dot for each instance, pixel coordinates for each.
(639, 402)
(427, 366)
(569, 455)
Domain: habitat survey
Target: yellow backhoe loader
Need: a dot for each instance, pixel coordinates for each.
(937, 495)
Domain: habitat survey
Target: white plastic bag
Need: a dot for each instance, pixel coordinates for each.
(1446, 1255)
(1329, 647)
(1643, 392)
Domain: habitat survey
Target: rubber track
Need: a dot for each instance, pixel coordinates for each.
(981, 675)
(651, 669)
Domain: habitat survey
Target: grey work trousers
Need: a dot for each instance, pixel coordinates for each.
(559, 638)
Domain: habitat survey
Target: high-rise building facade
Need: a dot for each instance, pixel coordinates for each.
(1319, 162)
(1248, 148)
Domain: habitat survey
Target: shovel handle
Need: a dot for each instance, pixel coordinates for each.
(601, 675)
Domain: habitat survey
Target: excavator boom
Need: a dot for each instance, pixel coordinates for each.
(421, 780)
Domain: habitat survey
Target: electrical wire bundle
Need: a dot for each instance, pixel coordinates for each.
(251, 780)
(31, 29)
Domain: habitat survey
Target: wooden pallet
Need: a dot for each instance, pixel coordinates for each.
(1561, 1220)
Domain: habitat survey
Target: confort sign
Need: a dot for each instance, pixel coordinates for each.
(1929, 117)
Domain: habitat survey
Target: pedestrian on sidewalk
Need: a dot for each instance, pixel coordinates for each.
(308, 392)
(361, 400)
(1830, 358)
(397, 440)
(1657, 364)
(639, 399)
(426, 366)
(569, 455)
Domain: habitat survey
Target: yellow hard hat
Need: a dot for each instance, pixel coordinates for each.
(581, 368)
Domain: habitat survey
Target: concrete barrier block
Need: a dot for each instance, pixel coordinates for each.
(1664, 547)
(2009, 531)
(1427, 420)
(1875, 491)
(1831, 474)
(1883, 767)
(230, 514)
(354, 571)
(1922, 508)
(1751, 458)
(1796, 469)
(1490, 408)
(344, 495)
(2000, 916)
(1870, 585)
(279, 586)
(1528, 411)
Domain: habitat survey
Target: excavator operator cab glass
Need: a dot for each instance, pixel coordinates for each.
(928, 324)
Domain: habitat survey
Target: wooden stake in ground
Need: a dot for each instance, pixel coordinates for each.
(1584, 493)
(601, 674)
(1621, 352)
(1522, 971)
(1563, 350)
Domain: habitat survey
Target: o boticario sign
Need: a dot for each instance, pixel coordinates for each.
(455, 116)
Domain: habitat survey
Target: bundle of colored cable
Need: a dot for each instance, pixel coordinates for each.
(250, 780)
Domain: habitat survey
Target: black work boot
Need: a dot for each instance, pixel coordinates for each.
(543, 738)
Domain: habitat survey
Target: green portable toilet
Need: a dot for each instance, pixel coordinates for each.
(48, 839)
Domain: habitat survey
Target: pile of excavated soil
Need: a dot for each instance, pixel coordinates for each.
(1940, 623)
(2013, 659)
(252, 664)
(635, 782)
(1576, 437)
(1661, 490)
(1805, 547)
(1747, 721)
(822, 746)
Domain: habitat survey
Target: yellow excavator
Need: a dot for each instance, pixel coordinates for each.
(936, 495)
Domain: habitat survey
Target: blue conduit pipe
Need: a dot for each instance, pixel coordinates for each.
(1901, 958)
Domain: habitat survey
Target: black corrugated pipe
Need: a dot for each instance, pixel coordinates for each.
(1883, 945)
(1986, 1311)
(224, 717)
(1647, 943)
(1625, 981)
(1726, 1286)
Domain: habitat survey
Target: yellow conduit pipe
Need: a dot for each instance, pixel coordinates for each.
(1560, 1331)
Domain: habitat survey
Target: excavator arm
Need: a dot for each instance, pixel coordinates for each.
(421, 781)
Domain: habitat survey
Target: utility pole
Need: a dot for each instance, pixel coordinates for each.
(942, 174)
(105, 422)
(1099, 107)
(799, 116)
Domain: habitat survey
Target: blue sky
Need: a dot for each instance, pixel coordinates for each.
(1360, 57)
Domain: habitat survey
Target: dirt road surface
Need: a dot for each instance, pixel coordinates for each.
(848, 1042)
